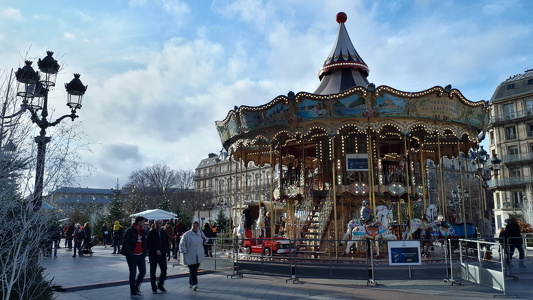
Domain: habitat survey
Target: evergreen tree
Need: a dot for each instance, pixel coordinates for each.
(116, 211)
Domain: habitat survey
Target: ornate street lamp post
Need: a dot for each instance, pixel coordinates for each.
(33, 88)
(479, 160)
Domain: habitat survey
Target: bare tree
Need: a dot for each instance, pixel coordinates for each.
(158, 187)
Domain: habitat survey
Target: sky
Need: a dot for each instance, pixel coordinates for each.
(161, 72)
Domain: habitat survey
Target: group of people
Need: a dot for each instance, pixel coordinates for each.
(141, 239)
(80, 235)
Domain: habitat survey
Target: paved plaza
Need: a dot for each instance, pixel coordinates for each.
(104, 276)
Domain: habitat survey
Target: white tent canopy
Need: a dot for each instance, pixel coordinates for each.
(154, 214)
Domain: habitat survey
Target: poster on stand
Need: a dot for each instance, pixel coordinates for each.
(404, 253)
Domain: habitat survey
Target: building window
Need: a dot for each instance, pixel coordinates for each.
(508, 111)
(529, 81)
(492, 137)
(517, 199)
(531, 148)
(510, 86)
(512, 150)
(530, 129)
(529, 107)
(510, 133)
(514, 172)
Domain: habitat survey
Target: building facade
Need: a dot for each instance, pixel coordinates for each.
(511, 138)
(231, 184)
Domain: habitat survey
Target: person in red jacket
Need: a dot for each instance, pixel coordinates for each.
(134, 248)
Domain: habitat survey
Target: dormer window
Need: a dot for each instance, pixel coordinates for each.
(510, 86)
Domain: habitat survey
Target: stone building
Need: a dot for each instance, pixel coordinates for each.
(511, 138)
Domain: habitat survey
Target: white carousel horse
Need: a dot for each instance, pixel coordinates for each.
(431, 212)
(239, 230)
(384, 217)
(259, 224)
(415, 224)
(349, 227)
(360, 232)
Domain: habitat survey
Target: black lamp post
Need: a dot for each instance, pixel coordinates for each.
(479, 160)
(33, 88)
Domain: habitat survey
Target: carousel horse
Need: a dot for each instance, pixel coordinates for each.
(360, 232)
(415, 224)
(384, 217)
(431, 212)
(239, 230)
(259, 224)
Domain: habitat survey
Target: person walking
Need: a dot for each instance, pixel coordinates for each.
(208, 245)
(88, 232)
(78, 237)
(157, 242)
(514, 241)
(134, 248)
(169, 229)
(179, 230)
(118, 233)
(192, 247)
(104, 232)
(69, 235)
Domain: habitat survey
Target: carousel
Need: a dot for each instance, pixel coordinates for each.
(351, 148)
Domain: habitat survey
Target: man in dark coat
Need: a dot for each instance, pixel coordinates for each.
(157, 243)
(515, 241)
(134, 248)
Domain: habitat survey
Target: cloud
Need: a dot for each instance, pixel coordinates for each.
(11, 14)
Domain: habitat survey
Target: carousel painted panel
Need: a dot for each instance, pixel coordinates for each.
(442, 108)
(232, 126)
(312, 109)
(391, 105)
(353, 105)
(476, 116)
(223, 131)
(277, 114)
(252, 120)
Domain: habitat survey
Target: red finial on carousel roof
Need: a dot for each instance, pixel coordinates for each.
(341, 17)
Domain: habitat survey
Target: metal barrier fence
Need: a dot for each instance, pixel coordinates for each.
(454, 260)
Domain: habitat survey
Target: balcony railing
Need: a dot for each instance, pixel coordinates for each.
(512, 116)
(513, 158)
(511, 181)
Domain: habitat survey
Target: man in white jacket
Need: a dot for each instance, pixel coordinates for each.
(192, 247)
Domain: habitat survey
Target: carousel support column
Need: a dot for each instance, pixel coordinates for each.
(272, 210)
(236, 195)
(334, 186)
(407, 181)
(370, 152)
(441, 195)
(423, 174)
(380, 164)
(241, 163)
(462, 185)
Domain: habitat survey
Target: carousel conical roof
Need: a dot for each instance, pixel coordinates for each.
(344, 68)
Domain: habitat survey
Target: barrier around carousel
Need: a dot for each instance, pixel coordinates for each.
(484, 266)
(324, 260)
(257, 256)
